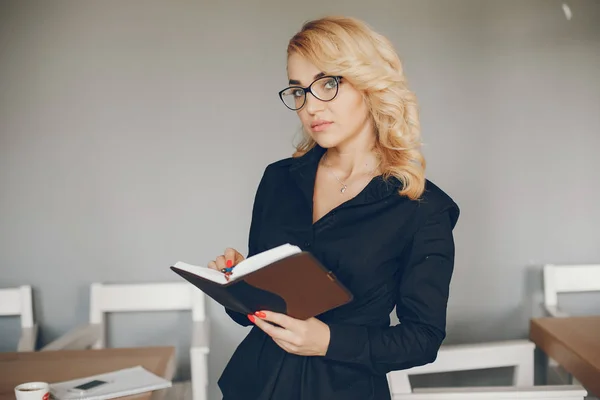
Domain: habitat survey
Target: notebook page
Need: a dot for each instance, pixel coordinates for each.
(204, 272)
(260, 260)
(245, 267)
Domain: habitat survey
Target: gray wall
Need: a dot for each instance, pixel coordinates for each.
(133, 134)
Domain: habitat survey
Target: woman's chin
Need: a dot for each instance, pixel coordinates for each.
(326, 141)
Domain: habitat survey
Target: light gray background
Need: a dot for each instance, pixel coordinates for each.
(133, 135)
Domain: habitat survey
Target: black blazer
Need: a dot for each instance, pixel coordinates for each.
(388, 250)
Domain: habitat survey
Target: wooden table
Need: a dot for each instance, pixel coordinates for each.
(574, 343)
(56, 366)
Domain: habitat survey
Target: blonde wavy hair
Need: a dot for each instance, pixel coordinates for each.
(349, 48)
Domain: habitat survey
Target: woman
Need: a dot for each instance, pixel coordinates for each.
(354, 195)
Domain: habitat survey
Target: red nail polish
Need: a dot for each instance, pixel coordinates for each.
(251, 318)
(229, 263)
(260, 314)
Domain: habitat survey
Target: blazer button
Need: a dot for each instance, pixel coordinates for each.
(306, 244)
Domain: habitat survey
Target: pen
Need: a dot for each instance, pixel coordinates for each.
(229, 267)
(227, 272)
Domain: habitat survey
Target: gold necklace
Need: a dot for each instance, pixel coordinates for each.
(344, 186)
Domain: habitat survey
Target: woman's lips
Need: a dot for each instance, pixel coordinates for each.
(319, 126)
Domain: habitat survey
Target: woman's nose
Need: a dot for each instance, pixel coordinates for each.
(313, 104)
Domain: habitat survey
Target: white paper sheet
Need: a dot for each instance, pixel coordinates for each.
(123, 382)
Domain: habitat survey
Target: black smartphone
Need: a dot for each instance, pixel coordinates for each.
(88, 385)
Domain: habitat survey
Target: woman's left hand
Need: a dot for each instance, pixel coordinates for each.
(304, 338)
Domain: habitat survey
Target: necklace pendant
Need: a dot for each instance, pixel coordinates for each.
(343, 188)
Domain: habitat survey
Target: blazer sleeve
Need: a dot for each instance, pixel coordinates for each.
(421, 303)
(255, 228)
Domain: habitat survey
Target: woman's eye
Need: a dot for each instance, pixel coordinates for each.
(331, 84)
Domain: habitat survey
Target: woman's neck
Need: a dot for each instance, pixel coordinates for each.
(352, 160)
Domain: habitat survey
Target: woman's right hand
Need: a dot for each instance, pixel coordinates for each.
(230, 258)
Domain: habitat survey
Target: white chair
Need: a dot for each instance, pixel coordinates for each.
(18, 301)
(145, 297)
(518, 354)
(566, 392)
(467, 357)
(568, 279)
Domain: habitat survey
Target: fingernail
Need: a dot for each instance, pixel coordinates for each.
(229, 263)
(251, 318)
(260, 314)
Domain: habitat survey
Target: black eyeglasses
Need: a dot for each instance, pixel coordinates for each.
(324, 89)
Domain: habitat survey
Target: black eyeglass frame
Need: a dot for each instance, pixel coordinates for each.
(308, 90)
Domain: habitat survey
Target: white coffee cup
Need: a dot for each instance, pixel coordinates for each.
(33, 391)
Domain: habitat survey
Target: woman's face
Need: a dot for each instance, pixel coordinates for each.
(341, 122)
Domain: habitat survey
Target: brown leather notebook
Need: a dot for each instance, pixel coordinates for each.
(285, 280)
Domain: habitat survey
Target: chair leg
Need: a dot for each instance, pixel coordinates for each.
(524, 373)
(199, 375)
(399, 382)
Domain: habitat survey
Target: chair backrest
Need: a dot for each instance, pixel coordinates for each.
(467, 357)
(569, 279)
(561, 392)
(109, 298)
(17, 301)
